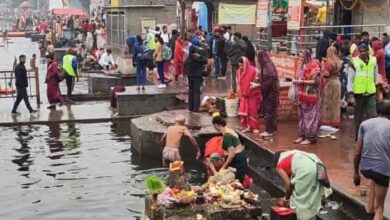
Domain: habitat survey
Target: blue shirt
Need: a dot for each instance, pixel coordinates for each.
(375, 134)
(214, 46)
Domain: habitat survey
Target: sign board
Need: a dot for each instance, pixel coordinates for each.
(262, 13)
(114, 3)
(286, 66)
(237, 13)
(294, 15)
(147, 22)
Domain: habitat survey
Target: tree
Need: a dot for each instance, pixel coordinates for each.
(182, 4)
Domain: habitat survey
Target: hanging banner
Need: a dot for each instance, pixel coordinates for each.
(294, 15)
(114, 3)
(262, 14)
(237, 14)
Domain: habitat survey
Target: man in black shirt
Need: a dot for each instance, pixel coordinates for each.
(193, 67)
(21, 83)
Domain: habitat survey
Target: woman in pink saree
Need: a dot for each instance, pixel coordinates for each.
(250, 95)
(52, 81)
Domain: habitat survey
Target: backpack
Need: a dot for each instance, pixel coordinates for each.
(146, 54)
(167, 53)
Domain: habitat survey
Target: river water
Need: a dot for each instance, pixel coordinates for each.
(71, 171)
(74, 171)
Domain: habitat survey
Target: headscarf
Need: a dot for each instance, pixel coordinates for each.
(310, 69)
(306, 56)
(245, 76)
(267, 67)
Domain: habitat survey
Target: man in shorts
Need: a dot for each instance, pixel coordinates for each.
(172, 139)
(373, 156)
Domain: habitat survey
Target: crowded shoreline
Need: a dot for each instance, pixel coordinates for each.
(346, 78)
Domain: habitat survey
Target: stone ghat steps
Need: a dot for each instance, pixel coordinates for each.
(147, 131)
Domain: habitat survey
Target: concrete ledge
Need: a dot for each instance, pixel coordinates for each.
(101, 83)
(146, 133)
(152, 100)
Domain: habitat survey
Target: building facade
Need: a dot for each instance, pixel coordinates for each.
(129, 17)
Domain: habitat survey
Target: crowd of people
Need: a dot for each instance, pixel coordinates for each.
(346, 72)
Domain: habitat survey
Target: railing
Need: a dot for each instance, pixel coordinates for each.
(307, 37)
(8, 89)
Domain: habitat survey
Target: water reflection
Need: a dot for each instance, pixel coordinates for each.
(90, 168)
(54, 142)
(23, 159)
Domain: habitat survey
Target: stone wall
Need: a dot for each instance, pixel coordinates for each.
(370, 14)
(163, 15)
(287, 111)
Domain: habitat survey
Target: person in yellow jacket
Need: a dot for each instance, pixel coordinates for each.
(69, 65)
(361, 87)
(321, 15)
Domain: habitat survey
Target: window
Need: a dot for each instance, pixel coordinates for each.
(116, 31)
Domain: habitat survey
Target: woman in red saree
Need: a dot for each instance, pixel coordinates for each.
(250, 96)
(179, 58)
(52, 81)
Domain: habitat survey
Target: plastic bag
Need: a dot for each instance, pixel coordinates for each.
(293, 94)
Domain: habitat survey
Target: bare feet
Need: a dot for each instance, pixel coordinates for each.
(305, 142)
(299, 140)
(246, 130)
(266, 134)
(256, 131)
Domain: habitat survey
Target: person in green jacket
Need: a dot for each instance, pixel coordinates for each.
(69, 65)
(361, 87)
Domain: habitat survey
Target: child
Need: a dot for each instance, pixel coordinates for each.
(173, 138)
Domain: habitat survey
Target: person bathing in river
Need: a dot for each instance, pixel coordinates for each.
(172, 139)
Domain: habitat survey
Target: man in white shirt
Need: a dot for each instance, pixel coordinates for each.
(106, 61)
(165, 35)
(228, 33)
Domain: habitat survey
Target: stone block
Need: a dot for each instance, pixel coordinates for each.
(102, 84)
(125, 66)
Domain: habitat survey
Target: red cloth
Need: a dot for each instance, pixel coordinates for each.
(53, 89)
(86, 27)
(379, 53)
(250, 99)
(310, 71)
(286, 164)
(247, 182)
(214, 145)
(179, 57)
(42, 27)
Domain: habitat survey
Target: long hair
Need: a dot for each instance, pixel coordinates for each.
(333, 58)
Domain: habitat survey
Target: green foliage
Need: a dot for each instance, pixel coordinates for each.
(154, 185)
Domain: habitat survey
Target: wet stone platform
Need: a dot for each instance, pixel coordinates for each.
(146, 132)
(101, 83)
(148, 101)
